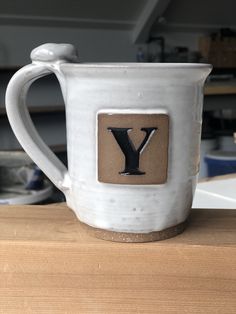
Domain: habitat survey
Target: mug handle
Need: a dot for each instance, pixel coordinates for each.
(46, 59)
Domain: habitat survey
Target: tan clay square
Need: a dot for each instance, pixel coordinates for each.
(133, 148)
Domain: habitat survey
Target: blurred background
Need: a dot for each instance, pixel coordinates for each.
(116, 31)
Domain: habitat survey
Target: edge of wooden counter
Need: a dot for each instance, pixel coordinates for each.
(49, 264)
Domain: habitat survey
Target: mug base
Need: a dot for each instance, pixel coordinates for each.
(136, 237)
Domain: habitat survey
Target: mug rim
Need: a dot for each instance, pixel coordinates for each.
(139, 65)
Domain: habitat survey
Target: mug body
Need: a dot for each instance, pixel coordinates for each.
(133, 136)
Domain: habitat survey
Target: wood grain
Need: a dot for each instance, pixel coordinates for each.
(49, 264)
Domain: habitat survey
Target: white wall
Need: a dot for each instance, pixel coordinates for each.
(93, 45)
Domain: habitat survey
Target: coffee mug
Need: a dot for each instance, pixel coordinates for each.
(133, 137)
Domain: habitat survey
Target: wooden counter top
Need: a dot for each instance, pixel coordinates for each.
(49, 264)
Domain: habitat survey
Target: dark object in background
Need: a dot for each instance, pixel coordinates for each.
(181, 54)
(158, 45)
(36, 181)
(208, 127)
(224, 121)
(225, 32)
(140, 56)
(220, 163)
(219, 48)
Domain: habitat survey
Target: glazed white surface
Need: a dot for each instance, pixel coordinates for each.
(89, 89)
(124, 207)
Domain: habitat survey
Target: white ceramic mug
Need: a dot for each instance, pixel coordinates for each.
(133, 137)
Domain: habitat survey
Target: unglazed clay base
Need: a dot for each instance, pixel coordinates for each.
(136, 237)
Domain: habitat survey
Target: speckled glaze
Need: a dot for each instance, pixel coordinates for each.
(88, 89)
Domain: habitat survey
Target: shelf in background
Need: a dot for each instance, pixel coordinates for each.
(39, 109)
(59, 148)
(220, 88)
